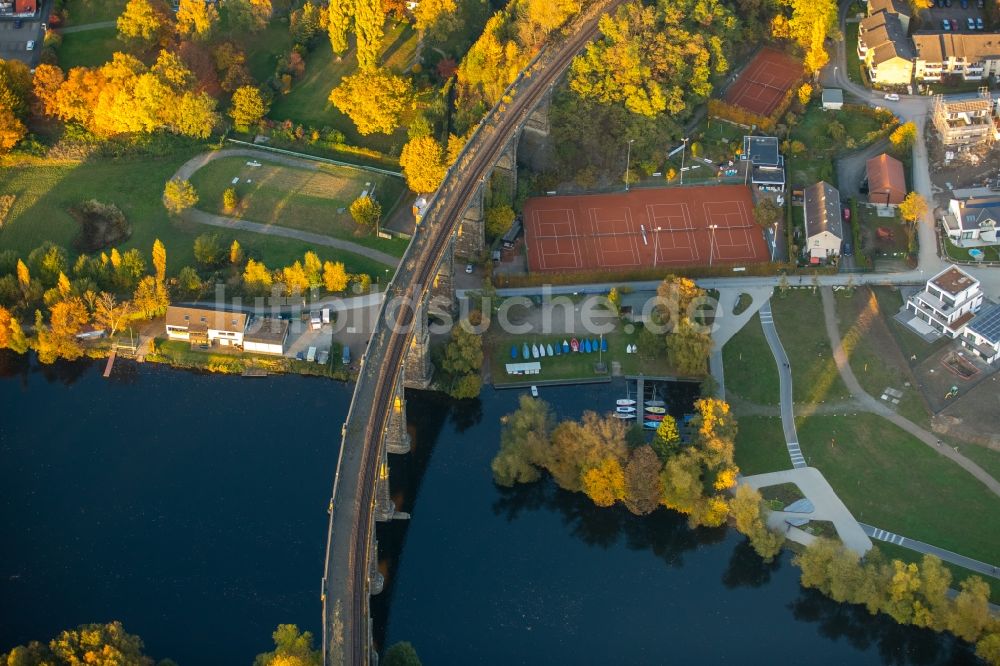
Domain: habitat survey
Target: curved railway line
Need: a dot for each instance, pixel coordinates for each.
(346, 630)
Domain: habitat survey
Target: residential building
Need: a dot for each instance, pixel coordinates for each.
(205, 327)
(964, 121)
(833, 99)
(898, 8)
(971, 55)
(265, 335)
(948, 301)
(886, 180)
(824, 226)
(25, 7)
(885, 50)
(982, 334)
(973, 222)
(766, 167)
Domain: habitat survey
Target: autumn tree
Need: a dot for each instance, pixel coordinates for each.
(751, 521)
(142, 22)
(766, 212)
(159, 260)
(247, 108)
(196, 18)
(666, 438)
(675, 298)
(368, 30)
(103, 644)
(688, 348)
(58, 339)
(235, 253)
(366, 212)
(499, 220)
(604, 483)
(229, 199)
(339, 15)
(805, 93)
(643, 487)
(11, 334)
(178, 196)
(257, 279)
(109, 314)
(291, 648)
(903, 137)
(422, 160)
(150, 298)
(524, 439)
(437, 19)
(810, 24)
(305, 23)
(335, 276)
(578, 446)
(295, 280)
(913, 207)
(15, 87)
(252, 15)
(374, 99)
(12, 130)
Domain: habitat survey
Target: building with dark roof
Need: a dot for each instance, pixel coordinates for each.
(886, 180)
(973, 222)
(897, 8)
(766, 166)
(824, 226)
(982, 334)
(266, 335)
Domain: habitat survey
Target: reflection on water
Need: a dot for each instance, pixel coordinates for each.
(534, 574)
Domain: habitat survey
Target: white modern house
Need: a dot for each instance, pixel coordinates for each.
(824, 227)
(766, 168)
(973, 222)
(947, 303)
(982, 335)
(202, 326)
(265, 335)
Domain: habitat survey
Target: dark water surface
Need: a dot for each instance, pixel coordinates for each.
(193, 508)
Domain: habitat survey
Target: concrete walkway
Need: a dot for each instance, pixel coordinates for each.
(784, 386)
(876, 407)
(921, 547)
(186, 170)
(87, 27)
(827, 506)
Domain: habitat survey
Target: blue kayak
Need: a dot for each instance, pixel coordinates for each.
(558, 349)
(525, 352)
(513, 352)
(652, 425)
(595, 345)
(604, 344)
(586, 346)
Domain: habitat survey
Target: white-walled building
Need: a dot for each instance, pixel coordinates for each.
(206, 327)
(972, 222)
(948, 302)
(265, 335)
(824, 227)
(982, 335)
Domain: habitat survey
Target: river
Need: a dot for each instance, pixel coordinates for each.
(193, 508)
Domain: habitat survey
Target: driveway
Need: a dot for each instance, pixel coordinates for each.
(14, 41)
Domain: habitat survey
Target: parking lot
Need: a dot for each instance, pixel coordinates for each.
(957, 16)
(14, 40)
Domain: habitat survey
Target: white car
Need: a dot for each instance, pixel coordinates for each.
(468, 268)
(534, 391)
(30, 46)
(892, 97)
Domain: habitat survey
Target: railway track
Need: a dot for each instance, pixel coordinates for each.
(414, 276)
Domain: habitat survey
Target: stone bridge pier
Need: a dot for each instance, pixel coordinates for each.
(470, 241)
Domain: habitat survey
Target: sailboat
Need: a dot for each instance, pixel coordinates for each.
(655, 403)
(574, 344)
(541, 351)
(586, 346)
(534, 351)
(653, 417)
(525, 352)
(656, 410)
(548, 350)
(625, 402)
(620, 415)
(651, 425)
(565, 347)
(625, 410)
(604, 344)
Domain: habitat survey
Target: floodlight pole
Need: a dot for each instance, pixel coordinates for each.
(656, 244)
(774, 241)
(711, 243)
(628, 163)
(683, 152)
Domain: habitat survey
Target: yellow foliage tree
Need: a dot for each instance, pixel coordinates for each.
(196, 18)
(335, 276)
(605, 482)
(374, 99)
(142, 21)
(12, 130)
(256, 277)
(422, 160)
(913, 207)
(247, 108)
(805, 93)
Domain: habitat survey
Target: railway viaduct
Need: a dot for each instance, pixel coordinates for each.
(398, 352)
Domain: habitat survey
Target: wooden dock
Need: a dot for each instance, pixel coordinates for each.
(111, 363)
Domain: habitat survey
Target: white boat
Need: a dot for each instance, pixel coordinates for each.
(656, 410)
(541, 351)
(655, 403)
(625, 410)
(625, 402)
(619, 415)
(534, 351)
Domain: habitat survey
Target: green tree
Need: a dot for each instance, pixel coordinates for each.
(464, 353)
(369, 21)
(766, 213)
(189, 282)
(437, 19)
(524, 439)
(160, 260)
(466, 387)
(291, 648)
(178, 196)
(374, 99)
(401, 654)
(366, 212)
(422, 160)
(837, 131)
(247, 108)
(209, 251)
(971, 610)
(252, 15)
(988, 648)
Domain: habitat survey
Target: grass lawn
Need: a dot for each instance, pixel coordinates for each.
(46, 192)
(308, 103)
(90, 48)
(958, 574)
(760, 445)
(750, 369)
(299, 198)
(890, 480)
(181, 354)
(990, 252)
(81, 12)
(988, 459)
(873, 354)
(854, 67)
(915, 349)
(798, 315)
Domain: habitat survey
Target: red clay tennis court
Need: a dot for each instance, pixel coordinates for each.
(763, 84)
(667, 227)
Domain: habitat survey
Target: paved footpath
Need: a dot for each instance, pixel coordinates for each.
(87, 26)
(921, 547)
(187, 169)
(784, 386)
(876, 407)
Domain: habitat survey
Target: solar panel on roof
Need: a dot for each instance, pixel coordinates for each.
(987, 323)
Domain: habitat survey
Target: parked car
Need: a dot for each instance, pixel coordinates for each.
(892, 97)
(534, 391)
(965, 4)
(18, 24)
(30, 46)
(979, 4)
(970, 23)
(468, 268)
(945, 25)
(848, 250)
(979, 24)
(300, 356)
(847, 213)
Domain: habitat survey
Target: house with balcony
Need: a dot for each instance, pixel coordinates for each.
(766, 165)
(824, 226)
(900, 9)
(205, 327)
(974, 55)
(972, 222)
(947, 303)
(885, 49)
(964, 121)
(982, 335)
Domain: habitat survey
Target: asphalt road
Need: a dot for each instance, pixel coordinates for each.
(13, 41)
